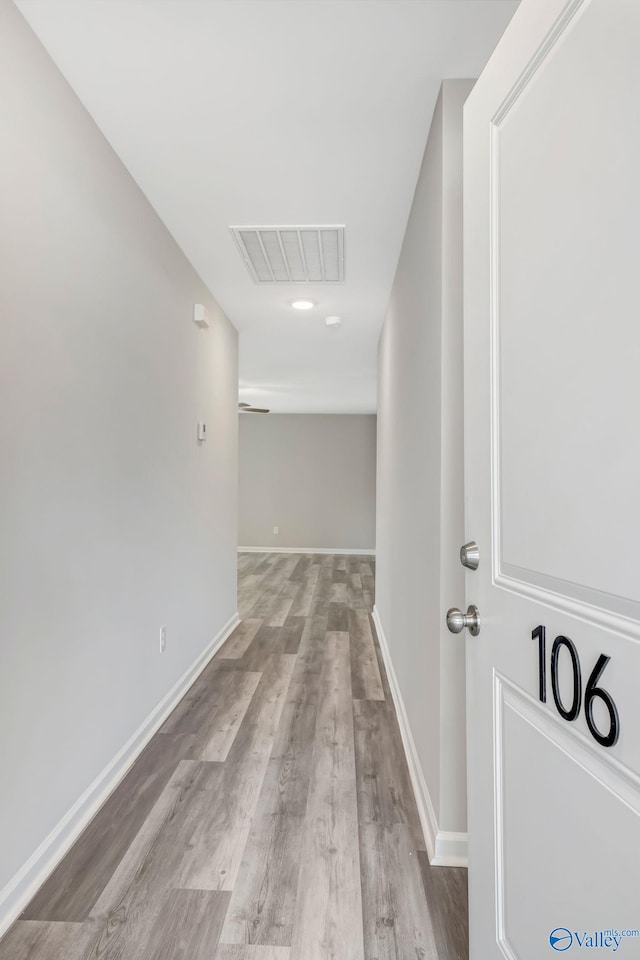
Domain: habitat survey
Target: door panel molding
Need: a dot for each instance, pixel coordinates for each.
(573, 598)
(547, 44)
(617, 612)
(618, 780)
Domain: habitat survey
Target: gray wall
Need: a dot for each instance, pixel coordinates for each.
(313, 476)
(114, 521)
(420, 466)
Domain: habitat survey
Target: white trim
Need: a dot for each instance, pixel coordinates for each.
(452, 849)
(339, 550)
(423, 799)
(445, 848)
(17, 893)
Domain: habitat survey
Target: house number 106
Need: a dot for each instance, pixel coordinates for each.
(592, 691)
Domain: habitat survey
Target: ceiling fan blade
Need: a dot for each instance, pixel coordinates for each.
(255, 410)
(244, 405)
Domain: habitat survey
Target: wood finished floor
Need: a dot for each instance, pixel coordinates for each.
(272, 816)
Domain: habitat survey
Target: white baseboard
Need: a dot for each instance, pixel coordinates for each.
(17, 893)
(444, 848)
(452, 849)
(339, 550)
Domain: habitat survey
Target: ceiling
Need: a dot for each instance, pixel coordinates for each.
(276, 112)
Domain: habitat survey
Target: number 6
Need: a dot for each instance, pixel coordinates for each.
(590, 694)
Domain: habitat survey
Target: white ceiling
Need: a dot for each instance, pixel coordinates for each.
(276, 112)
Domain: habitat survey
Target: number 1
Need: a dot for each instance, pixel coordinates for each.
(541, 634)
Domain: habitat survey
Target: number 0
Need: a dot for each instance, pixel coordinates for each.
(573, 712)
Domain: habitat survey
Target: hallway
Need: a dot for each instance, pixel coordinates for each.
(272, 814)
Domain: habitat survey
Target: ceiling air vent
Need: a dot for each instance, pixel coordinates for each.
(292, 254)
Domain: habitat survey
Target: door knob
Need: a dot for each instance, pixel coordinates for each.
(470, 555)
(457, 620)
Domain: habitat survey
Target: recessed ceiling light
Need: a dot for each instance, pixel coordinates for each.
(302, 304)
(333, 321)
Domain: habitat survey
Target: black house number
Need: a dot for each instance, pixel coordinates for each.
(592, 690)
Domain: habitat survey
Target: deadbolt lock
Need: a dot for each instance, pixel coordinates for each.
(470, 555)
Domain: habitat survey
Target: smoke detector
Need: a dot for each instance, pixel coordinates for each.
(306, 254)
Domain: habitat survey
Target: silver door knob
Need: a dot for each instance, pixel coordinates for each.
(470, 555)
(457, 620)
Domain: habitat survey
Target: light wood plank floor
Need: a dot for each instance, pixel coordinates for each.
(272, 816)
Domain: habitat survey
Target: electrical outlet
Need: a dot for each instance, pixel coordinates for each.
(163, 639)
(276, 530)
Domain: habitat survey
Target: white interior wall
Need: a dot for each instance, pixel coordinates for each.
(311, 475)
(453, 772)
(420, 483)
(114, 520)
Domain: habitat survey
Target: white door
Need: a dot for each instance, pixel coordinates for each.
(552, 473)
